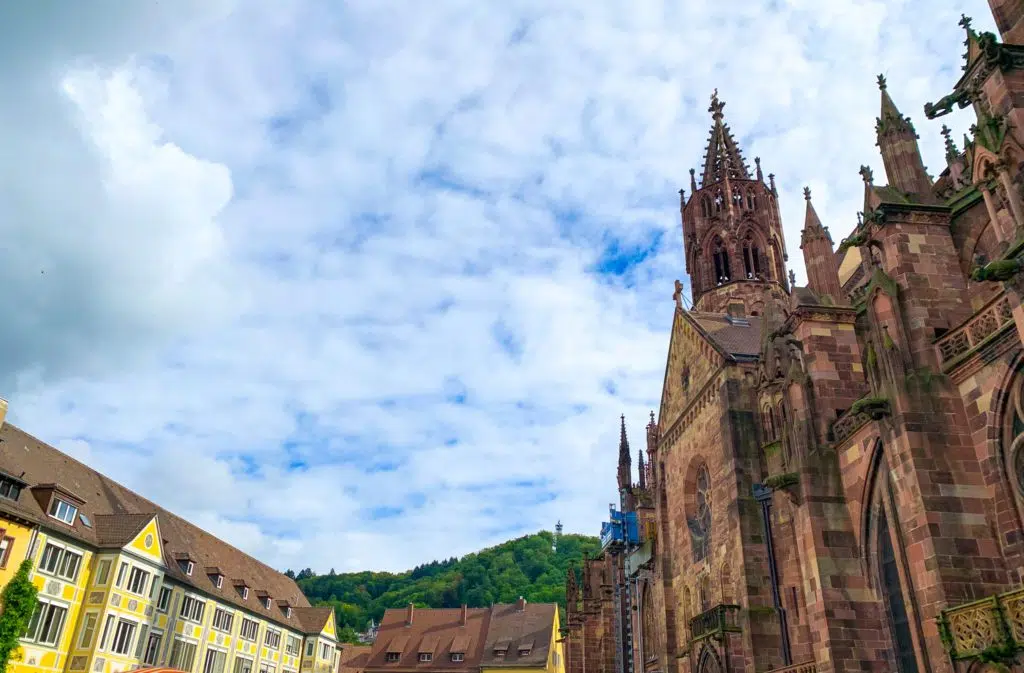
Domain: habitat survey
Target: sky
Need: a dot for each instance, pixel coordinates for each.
(359, 285)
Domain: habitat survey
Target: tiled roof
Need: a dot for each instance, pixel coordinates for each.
(529, 630)
(735, 339)
(437, 629)
(354, 658)
(114, 512)
(313, 620)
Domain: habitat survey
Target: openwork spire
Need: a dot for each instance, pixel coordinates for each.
(624, 457)
(722, 157)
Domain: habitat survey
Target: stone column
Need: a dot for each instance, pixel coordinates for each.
(1011, 194)
(990, 206)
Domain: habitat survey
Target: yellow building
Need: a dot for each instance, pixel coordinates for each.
(123, 583)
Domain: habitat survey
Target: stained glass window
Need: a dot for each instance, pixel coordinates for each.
(700, 522)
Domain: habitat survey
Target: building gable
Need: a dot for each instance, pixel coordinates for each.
(330, 630)
(147, 542)
(692, 360)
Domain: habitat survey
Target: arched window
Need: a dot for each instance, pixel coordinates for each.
(705, 206)
(892, 594)
(705, 593)
(721, 258)
(751, 200)
(1013, 430)
(883, 536)
(751, 257)
(650, 634)
(719, 201)
(737, 199)
(768, 421)
(700, 520)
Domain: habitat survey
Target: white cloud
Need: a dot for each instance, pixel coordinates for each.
(340, 260)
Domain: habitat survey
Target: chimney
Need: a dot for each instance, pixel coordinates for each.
(465, 614)
(520, 604)
(408, 614)
(3, 411)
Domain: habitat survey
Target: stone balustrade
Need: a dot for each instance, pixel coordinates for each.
(986, 627)
(806, 667)
(970, 334)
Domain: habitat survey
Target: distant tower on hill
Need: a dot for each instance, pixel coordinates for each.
(558, 534)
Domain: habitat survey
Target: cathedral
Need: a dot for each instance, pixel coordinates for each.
(834, 480)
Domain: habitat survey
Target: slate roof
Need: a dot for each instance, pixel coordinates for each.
(115, 514)
(435, 629)
(735, 339)
(529, 629)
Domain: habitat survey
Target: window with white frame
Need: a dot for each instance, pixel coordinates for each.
(62, 511)
(89, 622)
(152, 648)
(393, 656)
(137, 581)
(122, 573)
(222, 620)
(266, 602)
(47, 623)
(102, 572)
(186, 566)
(6, 545)
(124, 635)
(108, 630)
(242, 665)
(215, 661)
(425, 657)
(164, 601)
(272, 639)
(250, 629)
(325, 651)
(267, 667)
(183, 655)
(293, 646)
(457, 657)
(140, 642)
(191, 609)
(60, 562)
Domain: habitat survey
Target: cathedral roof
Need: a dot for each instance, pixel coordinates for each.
(733, 337)
(722, 156)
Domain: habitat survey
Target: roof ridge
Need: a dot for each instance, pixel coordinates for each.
(173, 518)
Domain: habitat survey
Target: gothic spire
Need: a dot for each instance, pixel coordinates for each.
(625, 460)
(897, 140)
(642, 468)
(722, 157)
(819, 258)
(572, 592)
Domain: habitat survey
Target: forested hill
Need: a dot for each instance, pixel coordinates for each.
(527, 567)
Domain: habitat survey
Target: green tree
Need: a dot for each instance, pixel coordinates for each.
(526, 566)
(18, 603)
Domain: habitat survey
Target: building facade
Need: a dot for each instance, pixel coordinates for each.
(124, 584)
(835, 475)
(514, 638)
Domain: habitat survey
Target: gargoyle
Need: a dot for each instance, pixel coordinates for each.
(998, 271)
(944, 105)
(853, 240)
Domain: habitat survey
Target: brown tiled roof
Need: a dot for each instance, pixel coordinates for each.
(532, 626)
(734, 339)
(117, 530)
(113, 512)
(443, 626)
(313, 620)
(353, 658)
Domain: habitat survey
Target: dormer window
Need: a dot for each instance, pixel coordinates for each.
(288, 612)
(457, 656)
(501, 648)
(186, 566)
(10, 487)
(242, 588)
(425, 657)
(215, 576)
(63, 511)
(525, 648)
(264, 599)
(286, 607)
(393, 656)
(245, 593)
